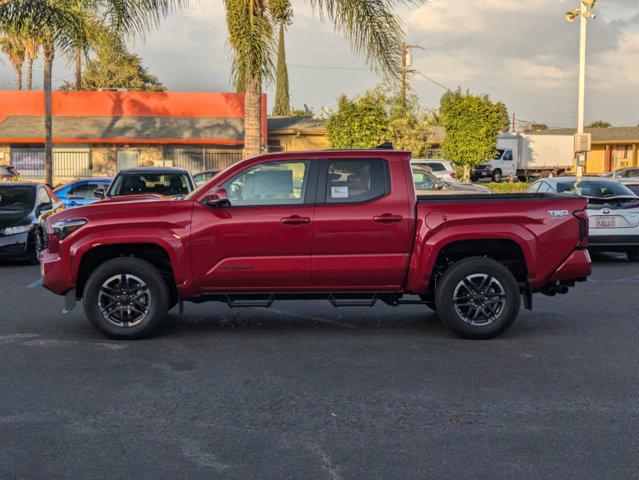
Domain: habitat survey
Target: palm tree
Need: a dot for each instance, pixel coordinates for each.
(369, 25)
(32, 46)
(60, 22)
(13, 47)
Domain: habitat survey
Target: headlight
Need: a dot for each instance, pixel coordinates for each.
(16, 230)
(490, 166)
(65, 228)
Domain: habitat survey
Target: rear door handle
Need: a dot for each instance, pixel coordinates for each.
(295, 220)
(387, 218)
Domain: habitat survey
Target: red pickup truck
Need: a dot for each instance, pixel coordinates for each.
(346, 226)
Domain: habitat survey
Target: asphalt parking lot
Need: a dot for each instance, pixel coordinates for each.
(304, 390)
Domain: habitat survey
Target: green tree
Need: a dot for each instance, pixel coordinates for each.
(303, 112)
(116, 69)
(32, 44)
(361, 122)
(599, 124)
(61, 22)
(504, 117)
(282, 14)
(472, 123)
(369, 25)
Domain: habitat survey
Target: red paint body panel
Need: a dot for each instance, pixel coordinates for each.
(341, 247)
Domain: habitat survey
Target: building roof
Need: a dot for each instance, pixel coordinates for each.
(296, 123)
(126, 117)
(600, 135)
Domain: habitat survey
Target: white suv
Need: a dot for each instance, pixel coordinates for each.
(440, 168)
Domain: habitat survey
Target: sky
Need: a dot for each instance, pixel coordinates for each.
(522, 52)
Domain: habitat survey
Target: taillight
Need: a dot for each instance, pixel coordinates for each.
(454, 175)
(582, 216)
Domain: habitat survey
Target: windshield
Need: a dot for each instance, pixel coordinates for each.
(151, 183)
(423, 179)
(17, 198)
(594, 189)
(499, 154)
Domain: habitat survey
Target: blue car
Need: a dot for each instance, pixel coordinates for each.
(80, 192)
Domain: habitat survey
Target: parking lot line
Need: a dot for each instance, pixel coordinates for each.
(634, 278)
(35, 283)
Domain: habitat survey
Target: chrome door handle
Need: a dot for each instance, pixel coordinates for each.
(295, 220)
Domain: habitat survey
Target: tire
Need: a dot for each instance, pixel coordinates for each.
(35, 248)
(499, 301)
(496, 176)
(143, 296)
(633, 254)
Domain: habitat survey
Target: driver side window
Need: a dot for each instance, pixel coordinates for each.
(274, 183)
(508, 155)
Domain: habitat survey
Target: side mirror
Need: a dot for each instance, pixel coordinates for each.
(99, 192)
(216, 198)
(45, 207)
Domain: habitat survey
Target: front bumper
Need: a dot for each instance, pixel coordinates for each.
(478, 173)
(56, 275)
(576, 267)
(14, 245)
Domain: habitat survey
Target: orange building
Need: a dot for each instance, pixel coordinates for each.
(99, 133)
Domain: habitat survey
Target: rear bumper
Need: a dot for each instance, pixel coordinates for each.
(575, 268)
(613, 240)
(55, 273)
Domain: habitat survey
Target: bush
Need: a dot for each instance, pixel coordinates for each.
(505, 187)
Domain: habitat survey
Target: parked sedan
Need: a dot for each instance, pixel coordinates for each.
(202, 177)
(149, 181)
(426, 183)
(623, 173)
(440, 168)
(613, 211)
(80, 192)
(23, 209)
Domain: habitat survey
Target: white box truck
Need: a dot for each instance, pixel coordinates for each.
(528, 156)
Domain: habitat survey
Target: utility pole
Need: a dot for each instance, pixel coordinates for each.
(513, 128)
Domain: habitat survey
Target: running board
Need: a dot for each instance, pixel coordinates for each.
(266, 299)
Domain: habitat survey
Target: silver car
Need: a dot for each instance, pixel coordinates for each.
(627, 172)
(612, 207)
(440, 168)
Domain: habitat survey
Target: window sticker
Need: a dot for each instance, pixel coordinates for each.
(339, 192)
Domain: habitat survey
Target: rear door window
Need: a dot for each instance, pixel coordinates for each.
(355, 180)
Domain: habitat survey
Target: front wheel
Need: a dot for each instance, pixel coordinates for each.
(497, 176)
(478, 298)
(36, 247)
(126, 298)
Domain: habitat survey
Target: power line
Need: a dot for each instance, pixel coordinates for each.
(432, 80)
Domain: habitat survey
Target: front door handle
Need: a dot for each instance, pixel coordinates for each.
(388, 218)
(295, 220)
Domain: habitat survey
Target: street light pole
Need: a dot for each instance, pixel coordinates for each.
(582, 86)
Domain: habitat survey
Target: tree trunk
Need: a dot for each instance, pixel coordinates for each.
(282, 105)
(29, 74)
(78, 69)
(466, 173)
(252, 116)
(19, 76)
(48, 113)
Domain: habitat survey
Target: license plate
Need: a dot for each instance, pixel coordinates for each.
(606, 222)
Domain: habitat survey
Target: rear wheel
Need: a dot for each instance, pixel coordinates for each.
(126, 298)
(497, 176)
(633, 254)
(478, 298)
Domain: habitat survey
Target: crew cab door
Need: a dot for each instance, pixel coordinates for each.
(361, 231)
(262, 241)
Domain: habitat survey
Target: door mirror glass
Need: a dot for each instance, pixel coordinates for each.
(216, 198)
(99, 192)
(44, 207)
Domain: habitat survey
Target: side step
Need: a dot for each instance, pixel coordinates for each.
(337, 299)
